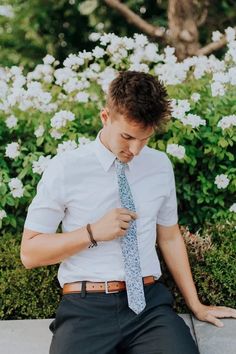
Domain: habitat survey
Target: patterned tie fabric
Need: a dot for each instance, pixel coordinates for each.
(129, 246)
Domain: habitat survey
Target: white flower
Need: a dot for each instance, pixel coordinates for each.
(139, 67)
(83, 141)
(230, 34)
(107, 38)
(6, 11)
(128, 43)
(73, 61)
(40, 165)
(41, 71)
(15, 70)
(193, 120)
(94, 36)
(169, 51)
(48, 59)
(216, 36)
(105, 78)
(85, 55)
(39, 131)
(232, 75)
(12, 150)
(72, 84)
(176, 150)
(231, 54)
(63, 75)
(55, 134)
(19, 81)
(98, 52)
(66, 145)
(150, 52)
(227, 121)
(16, 187)
(170, 58)
(140, 40)
(220, 77)
(95, 67)
(221, 181)
(217, 89)
(82, 97)
(11, 121)
(233, 208)
(171, 73)
(195, 97)
(3, 214)
(3, 88)
(179, 108)
(60, 119)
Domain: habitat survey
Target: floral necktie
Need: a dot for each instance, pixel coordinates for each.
(129, 246)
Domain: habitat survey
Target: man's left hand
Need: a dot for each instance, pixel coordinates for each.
(212, 313)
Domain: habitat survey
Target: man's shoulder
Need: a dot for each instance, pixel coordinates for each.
(74, 154)
(71, 157)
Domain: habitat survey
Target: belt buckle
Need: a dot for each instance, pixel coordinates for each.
(107, 290)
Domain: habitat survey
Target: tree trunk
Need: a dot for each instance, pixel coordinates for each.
(183, 29)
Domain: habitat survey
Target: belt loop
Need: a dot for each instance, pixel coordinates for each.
(83, 288)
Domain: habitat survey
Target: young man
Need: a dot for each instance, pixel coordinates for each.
(117, 195)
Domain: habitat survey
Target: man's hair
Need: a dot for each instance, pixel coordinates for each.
(140, 97)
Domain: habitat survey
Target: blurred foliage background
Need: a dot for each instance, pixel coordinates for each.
(37, 27)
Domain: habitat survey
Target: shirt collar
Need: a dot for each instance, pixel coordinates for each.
(105, 156)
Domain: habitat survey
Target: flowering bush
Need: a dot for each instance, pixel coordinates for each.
(53, 109)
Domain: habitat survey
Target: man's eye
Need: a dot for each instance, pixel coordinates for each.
(126, 137)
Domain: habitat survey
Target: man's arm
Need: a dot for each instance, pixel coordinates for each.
(40, 249)
(173, 249)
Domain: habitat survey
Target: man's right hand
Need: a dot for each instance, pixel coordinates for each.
(113, 224)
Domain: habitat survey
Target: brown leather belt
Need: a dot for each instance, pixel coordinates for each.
(101, 287)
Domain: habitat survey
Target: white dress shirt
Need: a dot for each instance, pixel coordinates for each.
(80, 186)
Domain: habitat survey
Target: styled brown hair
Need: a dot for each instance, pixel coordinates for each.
(140, 97)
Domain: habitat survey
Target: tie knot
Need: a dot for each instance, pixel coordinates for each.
(120, 166)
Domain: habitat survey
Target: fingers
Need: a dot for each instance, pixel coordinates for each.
(222, 311)
(124, 225)
(125, 211)
(215, 321)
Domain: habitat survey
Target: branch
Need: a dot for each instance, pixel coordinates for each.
(211, 47)
(202, 18)
(131, 17)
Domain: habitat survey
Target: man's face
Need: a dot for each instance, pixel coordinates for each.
(122, 136)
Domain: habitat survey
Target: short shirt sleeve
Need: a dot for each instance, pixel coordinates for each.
(47, 208)
(168, 212)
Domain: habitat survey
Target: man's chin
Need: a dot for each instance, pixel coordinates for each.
(124, 157)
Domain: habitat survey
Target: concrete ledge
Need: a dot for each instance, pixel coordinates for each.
(34, 336)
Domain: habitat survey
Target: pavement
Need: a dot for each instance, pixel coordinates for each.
(34, 336)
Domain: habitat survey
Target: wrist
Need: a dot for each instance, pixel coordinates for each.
(194, 307)
(91, 236)
(94, 229)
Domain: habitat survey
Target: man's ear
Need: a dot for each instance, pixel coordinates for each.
(104, 116)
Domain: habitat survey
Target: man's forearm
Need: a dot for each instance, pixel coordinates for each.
(175, 255)
(47, 249)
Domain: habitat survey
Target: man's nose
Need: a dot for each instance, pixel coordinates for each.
(135, 147)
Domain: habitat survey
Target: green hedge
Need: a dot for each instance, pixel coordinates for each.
(25, 293)
(212, 255)
(36, 293)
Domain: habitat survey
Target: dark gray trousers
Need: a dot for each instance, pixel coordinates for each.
(100, 323)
